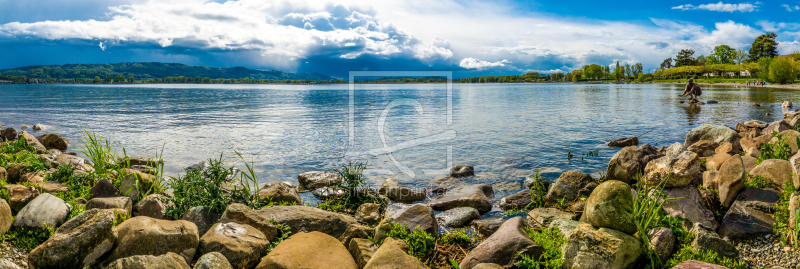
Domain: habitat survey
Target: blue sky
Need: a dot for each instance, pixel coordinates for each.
(333, 37)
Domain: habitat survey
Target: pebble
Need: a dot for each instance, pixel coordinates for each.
(767, 252)
(17, 255)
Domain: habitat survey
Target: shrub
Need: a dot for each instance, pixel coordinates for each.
(779, 149)
(551, 240)
(420, 243)
(357, 191)
(783, 70)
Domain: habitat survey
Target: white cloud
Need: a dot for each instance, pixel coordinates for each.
(721, 7)
(790, 8)
(102, 46)
(472, 63)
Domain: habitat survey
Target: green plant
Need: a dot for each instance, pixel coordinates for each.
(569, 155)
(26, 237)
(551, 241)
(647, 213)
(457, 236)
(759, 182)
(538, 191)
(780, 149)
(562, 203)
(455, 264)
(782, 215)
(357, 191)
(99, 151)
(284, 231)
(420, 243)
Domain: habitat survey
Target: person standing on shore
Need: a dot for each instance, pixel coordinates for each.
(748, 82)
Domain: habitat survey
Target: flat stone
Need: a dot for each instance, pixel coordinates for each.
(686, 203)
(475, 196)
(749, 216)
(78, 243)
(542, 217)
(111, 203)
(308, 219)
(504, 246)
(391, 189)
(458, 217)
(517, 200)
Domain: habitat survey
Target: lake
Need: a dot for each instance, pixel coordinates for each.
(411, 131)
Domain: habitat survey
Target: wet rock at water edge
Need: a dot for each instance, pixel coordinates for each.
(462, 170)
(458, 217)
(475, 196)
(623, 142)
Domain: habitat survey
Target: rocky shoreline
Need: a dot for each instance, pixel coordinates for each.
(725, 196)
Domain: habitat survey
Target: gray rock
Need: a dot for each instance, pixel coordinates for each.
(326, 193)
(504, 246)
(317, 179)
(5, 263)
(542, 217)
(8, 134)
(777, 126)
(565, 226)
(630, 161)
(166, 261)
(394, 210)
(202, 217)
(45, 209)
(77, 243)
(362, 250)
(590, 247)
(717, 133)
(241, 244)
(677, 170)
(111, 203)
(458, 217)
(703, 148)
(416, 217)
(462, 170)
(663, 241)
(756, 124)
(154, 206)
(212, 260)
(686, 202)
(486, 227)
(308, 219)
(675, 149)
(391, 189)
(568, 186)
(517, 200)
(475, 196)
(709, 240)
(749, 216)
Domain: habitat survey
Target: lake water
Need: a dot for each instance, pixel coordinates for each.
(505, 130)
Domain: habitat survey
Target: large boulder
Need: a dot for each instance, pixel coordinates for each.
(154, 206)
(458, 217)
(705, 240)
(316, 179)
(77, 243)
(542, 217)
(123, 203)
(703, 148)
(717, 133)
(241, 244)
(475, 196)
(131, 188)
(362, 250)
(54, 141)
(778, 170)
(590, 247)
(750, 215)
(103, 189)
(686, 202)
(663, 241)
(8, 134)
(45, 209)
(356, 231)
(675, 149)
(462, 170)
(308, 219)
(166, 261)
(279, 192)
(611, 206)
(517, 200)
(568, 186)
(630, 161)
(240, 213)
(730, 180)
(486, 227)
(795, 163)
(777, 126)
(309, 250)
(149, 236)
(391, 189)
(790, 136)
(677, 170)
(212, 260)
(415, 217)
(393, 254)
(202, 217)
(504, 246)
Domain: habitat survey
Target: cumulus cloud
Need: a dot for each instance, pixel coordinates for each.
(102, 46)
(791, 8)
(720, 7)
(472, 63)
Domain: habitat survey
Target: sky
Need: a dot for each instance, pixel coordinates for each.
(468, 37)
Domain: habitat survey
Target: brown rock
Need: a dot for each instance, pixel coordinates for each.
(241, 244)
(19, 195)
(149, 236)
(393, 254)
(32, 141)
(242, 214)
(778, 170)
(6, 218)
(362, 250)
(111, 203)
(692, 264)
(308, 219)
(504, 246)
(704, 148)
(54, 141)
(34, 178)
(303, 250)
(154, 206)
(279, 192)
(778, 126)
(731, 180)
(713, 163)
(104, 189)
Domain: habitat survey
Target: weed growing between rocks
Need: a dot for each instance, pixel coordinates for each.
(647, 213)
(789, 235)
(27, 238)
(433, 252)
(759, 182)
(551, 240)
(283, 232)
(356, 191)
(538, 191)
(779, 149)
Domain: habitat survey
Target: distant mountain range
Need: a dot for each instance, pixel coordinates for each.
(152, 70)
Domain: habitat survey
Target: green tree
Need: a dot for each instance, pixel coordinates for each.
(97, 79)
(684, 58)
(764, 46)
(592, 71)
(724, 54)
(741, 56)
(763, 68)
(666, 64)
(576, 75)
(702, 60)
(131, 80)
(628, 70)
(119, 79)
(783, 70)
(638, 69)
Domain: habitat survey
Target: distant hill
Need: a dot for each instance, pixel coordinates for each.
(152, 70)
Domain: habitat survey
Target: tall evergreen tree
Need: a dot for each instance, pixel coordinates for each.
(764, 46)
(684, 58)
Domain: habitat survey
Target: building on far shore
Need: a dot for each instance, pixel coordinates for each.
(6, 82)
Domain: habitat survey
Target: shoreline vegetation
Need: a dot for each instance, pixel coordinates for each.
(725, 196)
